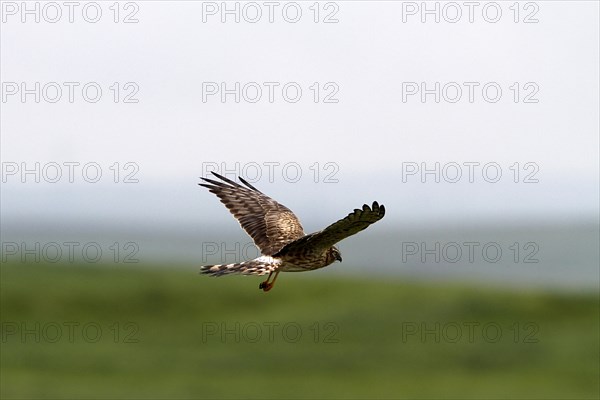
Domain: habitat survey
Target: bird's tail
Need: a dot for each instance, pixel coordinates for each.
(259, 266)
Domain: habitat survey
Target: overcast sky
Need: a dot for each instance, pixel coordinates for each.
(329, 114)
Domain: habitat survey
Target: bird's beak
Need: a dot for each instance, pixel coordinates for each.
(338, 257)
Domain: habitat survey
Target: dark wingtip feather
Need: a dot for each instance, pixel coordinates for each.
(379, 209)
(247, 184)
(213, 182)
(209, 181)
(224, 179)
(226, 182)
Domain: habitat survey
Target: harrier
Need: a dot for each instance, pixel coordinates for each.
(277, 232)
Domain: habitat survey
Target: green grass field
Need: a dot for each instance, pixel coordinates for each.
(104, 332)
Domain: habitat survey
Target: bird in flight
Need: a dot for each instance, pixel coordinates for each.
(277, 232)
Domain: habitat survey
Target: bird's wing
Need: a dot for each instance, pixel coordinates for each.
(270, 224)
(352, 224)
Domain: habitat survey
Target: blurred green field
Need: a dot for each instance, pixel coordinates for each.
(106, 332)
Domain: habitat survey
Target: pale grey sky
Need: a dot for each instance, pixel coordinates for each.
(370, 61)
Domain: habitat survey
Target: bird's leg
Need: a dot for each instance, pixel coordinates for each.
(266, 285)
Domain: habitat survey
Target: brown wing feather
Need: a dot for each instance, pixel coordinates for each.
(271, 225)
(352, 224)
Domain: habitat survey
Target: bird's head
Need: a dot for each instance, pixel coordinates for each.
(334, 255)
